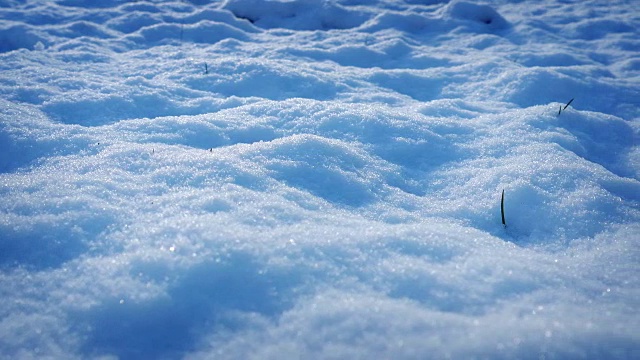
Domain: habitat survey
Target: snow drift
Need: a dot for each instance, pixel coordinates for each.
(319, 179)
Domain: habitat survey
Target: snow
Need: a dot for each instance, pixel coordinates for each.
(305, 179)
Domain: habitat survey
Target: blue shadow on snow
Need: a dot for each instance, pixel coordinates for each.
(202, 298)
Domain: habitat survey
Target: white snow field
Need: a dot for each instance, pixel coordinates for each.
(319, 179)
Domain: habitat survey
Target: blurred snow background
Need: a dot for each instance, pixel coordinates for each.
(300, 179)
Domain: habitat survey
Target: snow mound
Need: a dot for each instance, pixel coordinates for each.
(475, 16)
(296, 14)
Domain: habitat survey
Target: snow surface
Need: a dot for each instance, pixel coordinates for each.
(271, 179)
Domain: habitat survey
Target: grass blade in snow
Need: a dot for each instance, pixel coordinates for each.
(502, 209)
(569, 103)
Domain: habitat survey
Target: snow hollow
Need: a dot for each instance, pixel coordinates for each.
(319, 179)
